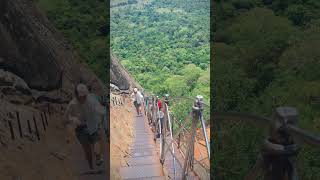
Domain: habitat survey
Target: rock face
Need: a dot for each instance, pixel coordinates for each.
(38, 72)
(120, 77)
(14, 89)
(31, 48)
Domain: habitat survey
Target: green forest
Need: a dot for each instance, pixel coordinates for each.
(265, 55)
(84, 24)
(164, 45)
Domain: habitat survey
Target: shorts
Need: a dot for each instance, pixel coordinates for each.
(85, 137)
(136, 104)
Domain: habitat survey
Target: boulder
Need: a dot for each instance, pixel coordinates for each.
(120, 77)
(33, 49)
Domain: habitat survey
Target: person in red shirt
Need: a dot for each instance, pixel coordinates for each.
(159, 103)
(160, 115)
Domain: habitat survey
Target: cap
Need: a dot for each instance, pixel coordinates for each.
(135, 89)
(82, 90)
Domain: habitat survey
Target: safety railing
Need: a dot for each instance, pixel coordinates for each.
(277, 159)
(180, 143)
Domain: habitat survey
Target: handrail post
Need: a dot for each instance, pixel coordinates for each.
(171, 134)
(190, 150)
(166, 102)
(279, 151)
(179, 139)
(160, 133)
(154, 118)
(164, 130)
(204, 129)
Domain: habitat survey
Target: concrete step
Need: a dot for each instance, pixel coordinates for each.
(142, 171)
(135, 146)
(143, 153)
(140, 149)
(149, 178)
(143, 141)
(143, 160)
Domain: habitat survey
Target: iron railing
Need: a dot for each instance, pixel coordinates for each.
(277, 159)
(180, 144)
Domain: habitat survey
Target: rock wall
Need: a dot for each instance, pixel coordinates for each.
(33, 49)
(120, 77)
(38, 72)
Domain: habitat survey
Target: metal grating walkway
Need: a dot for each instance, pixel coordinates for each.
(144, 161)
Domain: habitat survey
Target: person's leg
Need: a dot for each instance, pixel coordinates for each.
(101, 142)
(97, 148)
(137, 107)
(98, 143)
(88, 154)
(161, 122)
(140, 111)
(83, 138)
(91, 151)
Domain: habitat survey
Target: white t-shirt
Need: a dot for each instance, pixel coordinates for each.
(160, 114)
(137, 97)
(89, 113)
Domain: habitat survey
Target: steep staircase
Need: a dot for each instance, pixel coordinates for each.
(144, 162)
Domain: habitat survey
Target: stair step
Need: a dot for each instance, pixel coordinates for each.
(143, 171)
(135, 146)
(149, 178)
(143, 153)
(143, 160)
(140, 148)
(143, 141)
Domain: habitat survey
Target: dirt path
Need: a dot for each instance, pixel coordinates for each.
(30, 159)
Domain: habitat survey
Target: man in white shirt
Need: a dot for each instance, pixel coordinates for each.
(137, 99)
(85, 112)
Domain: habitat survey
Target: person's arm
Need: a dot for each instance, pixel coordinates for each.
(132, 97)
(70, 121)
(69, 115)
(98, 108)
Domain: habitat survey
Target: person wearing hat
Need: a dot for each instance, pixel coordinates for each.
(84, 112)
(137, 99)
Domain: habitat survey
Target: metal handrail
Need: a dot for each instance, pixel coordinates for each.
(188, 98)
(293, 130)
(282, 126)
(165, 145)
(160, 128)
(205, 133)
(195, 161)
(170, 129)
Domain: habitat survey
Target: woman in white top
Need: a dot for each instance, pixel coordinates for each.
(137, 99)
(84, 113)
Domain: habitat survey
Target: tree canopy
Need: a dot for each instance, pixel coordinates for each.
(165, 46)
(265, 55)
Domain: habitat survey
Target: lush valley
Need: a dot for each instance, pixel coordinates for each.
(165, 46)
(265, 55)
